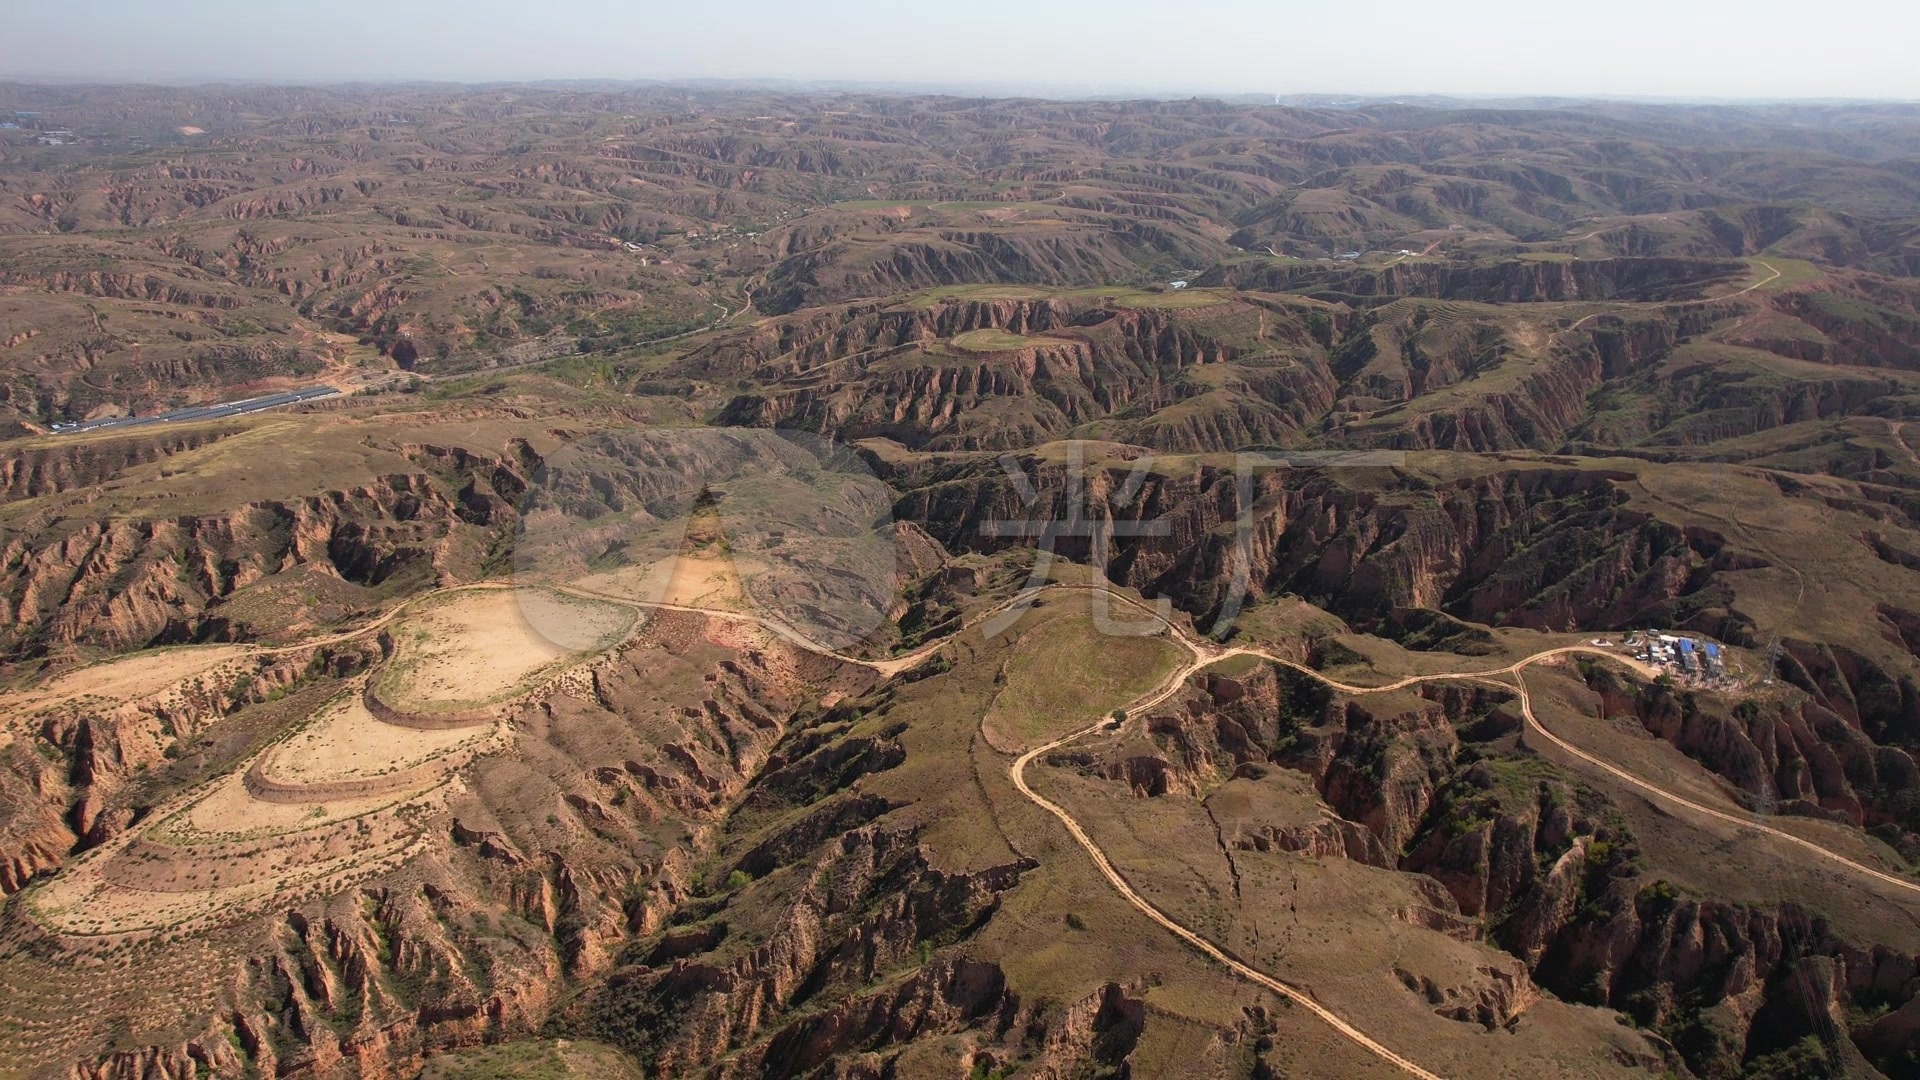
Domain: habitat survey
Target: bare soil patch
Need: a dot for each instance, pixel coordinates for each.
(343, 741)
(119, 681)
(482, 646)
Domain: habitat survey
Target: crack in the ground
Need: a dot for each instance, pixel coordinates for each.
(1220, 838)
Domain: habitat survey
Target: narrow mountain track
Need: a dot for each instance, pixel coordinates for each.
(1510, 676)
(1681, 801)
(1203, 655)
(1897, 428)
(1772, 276)
(1146, 907)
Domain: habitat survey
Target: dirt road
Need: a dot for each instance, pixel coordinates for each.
(1773, 275)
(1511, 676)
(1666, 796)
(1897, 428)
(1145, 907)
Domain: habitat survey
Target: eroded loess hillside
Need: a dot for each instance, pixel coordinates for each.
(863, 587)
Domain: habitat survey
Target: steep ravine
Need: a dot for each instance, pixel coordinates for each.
(1540, 547)
(543, 866)
(116, 583)
(1544, 864)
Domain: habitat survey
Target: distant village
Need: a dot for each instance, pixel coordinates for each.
(31, 126)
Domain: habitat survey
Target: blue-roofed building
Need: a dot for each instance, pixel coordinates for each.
(1684, 654)
(1713, 659)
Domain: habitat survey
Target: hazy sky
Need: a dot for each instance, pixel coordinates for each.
(1639, 48)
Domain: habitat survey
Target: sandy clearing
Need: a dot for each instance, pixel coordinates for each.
(343, 741)
(228, 813)
(117, 682)
(716, 583)
(479, 646)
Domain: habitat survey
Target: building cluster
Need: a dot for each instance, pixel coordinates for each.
(1685, 655)
(30, 124)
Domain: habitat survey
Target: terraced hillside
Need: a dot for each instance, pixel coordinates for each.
(854, 586)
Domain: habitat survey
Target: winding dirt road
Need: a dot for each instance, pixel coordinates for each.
(1145, 907)
(1534, 725)
(1510, 676)
(1773, 275)
(1896, 429)
(888, 667)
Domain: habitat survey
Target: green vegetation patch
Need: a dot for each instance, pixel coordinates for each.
(543, 1059)
(1234, 667)
(1792, 272)
(1172, 299)
(1066, 673)
(942, 293)
(989, 340)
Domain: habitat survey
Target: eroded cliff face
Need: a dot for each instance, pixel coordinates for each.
(805, 340)
(896, 372)
(36, 835)
(1881, 335)
(1063, 253)
(853, 910)
(50, 470)
(1350, 370)
(91, 766)
(1730, 982)
(718, 888)
(833, 937)
(1870, 693)
(1521, 383)
(118, 583)
(1542, 548)
(1521, 281)
(1537, 862)
(1791, 752)
(542, 865)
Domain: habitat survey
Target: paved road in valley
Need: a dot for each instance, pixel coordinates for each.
(205, 412)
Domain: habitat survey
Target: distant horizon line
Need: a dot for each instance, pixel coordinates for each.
(950, 88)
